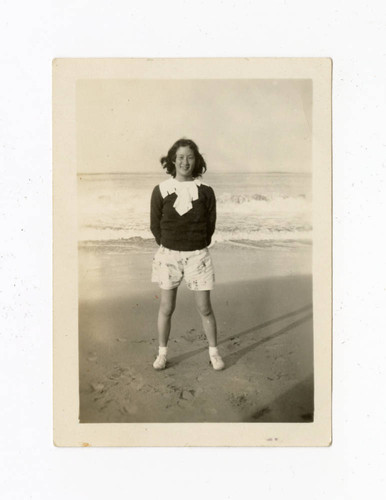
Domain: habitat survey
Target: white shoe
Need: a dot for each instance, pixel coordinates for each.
(160, 362)
(217, 362)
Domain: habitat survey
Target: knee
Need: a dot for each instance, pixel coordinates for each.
(204, 309)
(166, 308)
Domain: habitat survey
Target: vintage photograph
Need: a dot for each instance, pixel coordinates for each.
(194, 247)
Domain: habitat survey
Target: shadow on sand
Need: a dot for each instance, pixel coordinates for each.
(297, 405)
(231, 359)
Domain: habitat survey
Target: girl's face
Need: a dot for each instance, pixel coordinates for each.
(184, 163)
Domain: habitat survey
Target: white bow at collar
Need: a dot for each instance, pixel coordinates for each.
(186, 192)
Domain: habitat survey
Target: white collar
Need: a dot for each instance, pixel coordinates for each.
(171, 186)
(186, 192)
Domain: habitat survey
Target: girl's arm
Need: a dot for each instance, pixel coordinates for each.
(211, 225)
(156, 214)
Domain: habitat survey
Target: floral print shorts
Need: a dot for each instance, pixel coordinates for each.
(170, 266)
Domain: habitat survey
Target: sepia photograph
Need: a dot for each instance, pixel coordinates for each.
(193, 217)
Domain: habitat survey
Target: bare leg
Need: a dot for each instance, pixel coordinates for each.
(204, 308)
(166, 309)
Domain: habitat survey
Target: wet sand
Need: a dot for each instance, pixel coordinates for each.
(263, 305)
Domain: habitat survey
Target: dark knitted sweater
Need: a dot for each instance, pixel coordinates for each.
(191, 231)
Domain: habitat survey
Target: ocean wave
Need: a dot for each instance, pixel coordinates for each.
(257, 203)
(138, 204)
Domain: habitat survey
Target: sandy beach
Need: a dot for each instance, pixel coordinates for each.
(263, 306)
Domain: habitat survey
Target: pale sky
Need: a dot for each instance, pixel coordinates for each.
(238, 125)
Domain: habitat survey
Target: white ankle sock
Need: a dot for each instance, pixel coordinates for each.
(163, 350)
(213, 351)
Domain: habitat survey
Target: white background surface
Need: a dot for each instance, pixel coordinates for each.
(353, 34)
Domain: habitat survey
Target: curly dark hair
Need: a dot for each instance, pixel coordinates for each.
(167, 161)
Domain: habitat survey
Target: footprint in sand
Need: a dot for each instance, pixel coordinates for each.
(129, 409)
(187, 339)
(182, 394)
(192, 336)
(239, 400)
(174, 389)
(235, 341)
(105, 404)
(116, 373)
(97, 387)
(137, 384)
(188, 395)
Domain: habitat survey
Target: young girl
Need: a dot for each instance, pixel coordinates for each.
(182, 220)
